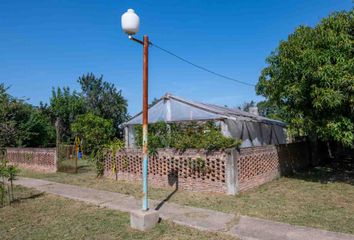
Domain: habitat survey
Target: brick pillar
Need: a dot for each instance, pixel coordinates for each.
(231, 172)
(56, 154)
(126, 137)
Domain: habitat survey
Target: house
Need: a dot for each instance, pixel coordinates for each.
(251, 128)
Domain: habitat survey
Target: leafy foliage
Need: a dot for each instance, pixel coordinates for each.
(104, 100)
(265, 109)
(66, 106)
(104, 151)
(21, 124)
(94, 130)
(98, 97)
(36, 131)
(96, 133)
(8, 130)
(9, 173)
(114, 146)
(185, 135)
(310, 79)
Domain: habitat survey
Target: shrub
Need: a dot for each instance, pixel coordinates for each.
(202, 135)
(94, 130)
(9, 173)
(96, 133)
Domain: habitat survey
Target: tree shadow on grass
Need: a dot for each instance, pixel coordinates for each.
(84, 169)
(333, 170)
(71, 168)
(31, 196)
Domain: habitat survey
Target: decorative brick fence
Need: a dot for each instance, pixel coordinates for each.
(39, 159)
(191, 170)
(229, 171)
(259, 165)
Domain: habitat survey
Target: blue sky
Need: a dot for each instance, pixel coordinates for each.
(45, 44)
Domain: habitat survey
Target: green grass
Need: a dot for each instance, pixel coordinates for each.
(309, 199)
(45, 216)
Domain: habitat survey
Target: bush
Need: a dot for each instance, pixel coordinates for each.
(94, 130)
(309, 79)
(185, 135)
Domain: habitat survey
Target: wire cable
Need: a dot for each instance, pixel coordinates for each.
(201, 67)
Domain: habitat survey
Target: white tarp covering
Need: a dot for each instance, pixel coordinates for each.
(253, 130)
(170, 110)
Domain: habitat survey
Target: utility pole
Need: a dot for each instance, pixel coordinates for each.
(145, 123)
(145, 218)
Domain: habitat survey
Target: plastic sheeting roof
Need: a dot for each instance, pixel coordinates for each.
(171, 108)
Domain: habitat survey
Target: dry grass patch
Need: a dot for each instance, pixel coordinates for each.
(311, 199)
(50, 217)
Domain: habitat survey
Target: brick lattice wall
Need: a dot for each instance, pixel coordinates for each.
(38, 159)
(169, 168)
(259, 165)
(253, 167)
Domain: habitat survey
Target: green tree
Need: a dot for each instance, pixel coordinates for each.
(66, 106)
(8, 130)
(94, 130)
(21, 124)
(310, 79)
(103, 99)
(36, 130)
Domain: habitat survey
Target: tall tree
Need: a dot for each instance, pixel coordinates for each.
(21, 124)
(104, 100)
(8, 131)
(310, 78)
(66, 106)
(35, 128)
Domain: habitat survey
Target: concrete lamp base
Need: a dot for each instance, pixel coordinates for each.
(143, 220)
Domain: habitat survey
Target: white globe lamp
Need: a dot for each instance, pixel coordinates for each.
(130, 22)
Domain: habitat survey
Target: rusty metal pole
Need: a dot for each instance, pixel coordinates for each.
(145, 124)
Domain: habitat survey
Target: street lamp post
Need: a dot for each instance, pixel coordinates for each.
(130, 24)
